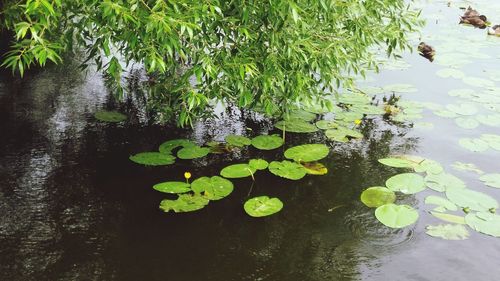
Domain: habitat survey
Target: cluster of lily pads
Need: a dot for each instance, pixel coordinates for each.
(479, 208)
(197, 194)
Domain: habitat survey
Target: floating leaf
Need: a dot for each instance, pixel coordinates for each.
(485, 222)
(152, 158)
(238, 171)
(258, 164)
(300, 114)
(396, 216)
(262, 206)
(213, 188)
(449, 217)
(192, 152)
(462, 93)
(442, 182)
(170, 145)
(398, 163)
(408, 183)
(184, 203)
(474, 145)
(493, 141)
(440, 201)
(492, 120)
(315, 168)
(445, 113)
(473, 200)
(492, 180)
(172, 187)
(238, 141)
(462, 109)
(296, 126)
(287, 169)
(110, 116)
(307, 152)
(429, 166)
(377, 196)
(448, 231)
(478, 82)
(450, 72)
(400, 88)
(467, 123)
(467, 167)
(336, 135)
(267, 142)
(326, 124)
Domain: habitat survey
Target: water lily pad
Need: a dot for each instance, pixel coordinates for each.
(467, 123)
(449, 217)
(152, 158)
(287, 169)
(472, 200)
(492, 120)
(258, 164)
(467, 167)
(184, 203)
(448, 231)
(170, 145)
(478, 82)
(492, 180)
(238, 171)
(336, 135)
(462, 93)
(408, 183)
(400, 88)
(377, 196)
(315, 168)
(443, 181)
(296, 126)
(450, 73)
(485, 222)
(213, 188)
(238, 141)
(398, 162)
(192, 152)
(262, 206)
(445, 113)
(396, 216)
(462, 109)
(440, 201)
(474, 145)
(300, 114)
(493, 141)
(307, 152)
(110, 116)
(173, 187)
(267, 142)
(326, 124)
(429, 166)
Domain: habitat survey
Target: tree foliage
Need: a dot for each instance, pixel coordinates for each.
(258, 54)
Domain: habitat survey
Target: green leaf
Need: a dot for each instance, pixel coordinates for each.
(170, 145)
(377, 196)
(492, 180)
(238, 171)
(485, 222)
(296, 126)
(448, 231)
(307, 152)
(315, 168)
(398, 162)
(152, 158)
(110, 116)
(172, 187)
(449, 217)
(267, 142)
(462, 109)
(473, 200)
(440, 201)
(408, 183)
(474, 145)
(258, 164)
(214, 188)
(467, 123)
(184, 203)
(238, 141)
(443, 182)
(396, 216)
(287, 169)
(262, 206)
(192, 152)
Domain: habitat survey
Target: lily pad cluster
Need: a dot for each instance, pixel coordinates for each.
(164, 155)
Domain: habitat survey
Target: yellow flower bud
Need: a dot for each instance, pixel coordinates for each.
(357, 121)
(187, 175)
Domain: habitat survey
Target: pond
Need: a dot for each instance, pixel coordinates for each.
(74, 207)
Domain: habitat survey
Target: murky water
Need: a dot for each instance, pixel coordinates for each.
(75, 208)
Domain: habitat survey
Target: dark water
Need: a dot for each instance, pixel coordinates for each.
(73, 207)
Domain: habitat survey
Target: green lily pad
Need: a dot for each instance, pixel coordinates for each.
(296, 126)
(307, 152)
(398, 163)
(470, 199)
(429, 166)
(492, 120)
(450, 73)
(287, 169)
(238, 141)
(492, 180)
(396, 216)
(408, 183)
(448, 231)
(444, 181)
(214, 188)
(152, 158)
(336, 135)
(258, 164)
(326, 124)
(462, 93)
(400, 88)
(493, 141)
(462, 109)
(300, 114)
(192, 152)
(467, 167)
(485, 223)
(267, 142)
(262, 206)
(184, 203)
(170, 145)
(449, 217)
(445, 113)
(172, 187)
(110, 116)
(478, 82)
(315, 168)
(440, 201)
(238, 171)
(474, 145)
(377, 196)
(467, 123)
